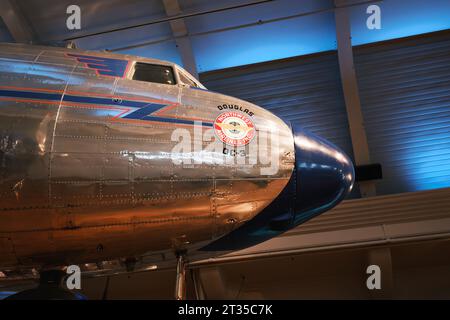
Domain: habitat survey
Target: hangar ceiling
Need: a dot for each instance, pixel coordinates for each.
(238, 32)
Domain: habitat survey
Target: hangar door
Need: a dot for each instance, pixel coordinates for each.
(306, 90)
(404, 88)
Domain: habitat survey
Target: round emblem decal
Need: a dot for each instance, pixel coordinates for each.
(234, 129)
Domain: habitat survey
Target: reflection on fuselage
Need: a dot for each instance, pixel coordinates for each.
(98, 167)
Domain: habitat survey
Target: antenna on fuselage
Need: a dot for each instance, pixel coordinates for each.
(71, 45)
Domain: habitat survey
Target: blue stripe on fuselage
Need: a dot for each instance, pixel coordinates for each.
(107, 101)
(143, 111)
(180, 121)
(31, 95)
(72, 98)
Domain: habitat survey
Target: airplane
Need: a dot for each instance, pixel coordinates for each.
(110, 157)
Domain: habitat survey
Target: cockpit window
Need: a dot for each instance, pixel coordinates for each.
(153, 73)
(186, 80)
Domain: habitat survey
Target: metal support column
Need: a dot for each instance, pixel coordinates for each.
(180, 288)
(179, 28)
(351, 93)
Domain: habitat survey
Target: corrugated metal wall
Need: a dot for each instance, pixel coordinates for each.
(405, 96)
(306, 90)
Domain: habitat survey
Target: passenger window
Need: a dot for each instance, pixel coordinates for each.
(186, 80)
(153, 73)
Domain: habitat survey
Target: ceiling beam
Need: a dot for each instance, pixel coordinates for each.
(351, 93)
(181, 35)
(15, 21)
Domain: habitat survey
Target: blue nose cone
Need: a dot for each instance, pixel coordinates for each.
(324, 175)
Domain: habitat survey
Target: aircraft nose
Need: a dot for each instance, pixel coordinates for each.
(322, 177)
(324, 174)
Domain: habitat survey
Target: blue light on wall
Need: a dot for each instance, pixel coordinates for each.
(307, 34)
(400, 19)
(417, 160)
(164, 51)
(266, 42)
(263, 42)
(429, 161)
(404, 88)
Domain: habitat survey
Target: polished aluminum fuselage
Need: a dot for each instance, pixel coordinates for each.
(79, 184)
